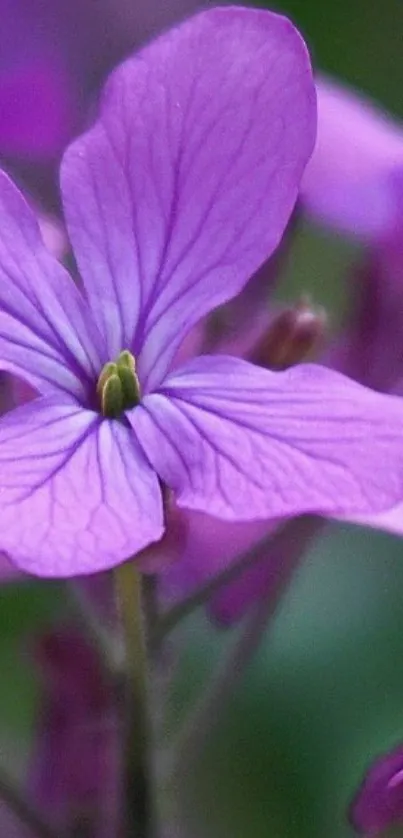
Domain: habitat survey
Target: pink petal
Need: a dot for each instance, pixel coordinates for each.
(241, 442)
(350, 180)
(46, 330)
(391, 520)
(77, 495)
(185, 184)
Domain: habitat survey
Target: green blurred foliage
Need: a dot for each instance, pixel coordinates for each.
(357, 40)
(26, 610)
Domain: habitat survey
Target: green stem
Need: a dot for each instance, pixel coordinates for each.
(103, 638)
(23, 809)
(137, 769)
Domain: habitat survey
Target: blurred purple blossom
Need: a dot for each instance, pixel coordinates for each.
(378, 804)
(75, 768)
(354, 183)
(212, 546)
(38, 90)
(53, 58)
(354, 179)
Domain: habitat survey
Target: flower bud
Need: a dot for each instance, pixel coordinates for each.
(292, 335)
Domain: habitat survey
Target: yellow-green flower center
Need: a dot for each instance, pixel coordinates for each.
(118, 387)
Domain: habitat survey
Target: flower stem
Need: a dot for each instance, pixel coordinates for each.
(103, 638)
(23, 809)
(139, 816)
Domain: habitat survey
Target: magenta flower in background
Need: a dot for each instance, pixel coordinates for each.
(352, 182)
(53, 57)
(378, 804)
(75, 769)
(172, 202)
(212, 545)
(38, 95)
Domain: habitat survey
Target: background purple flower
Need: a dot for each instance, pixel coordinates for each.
(354, 183)
(351, 182)
(212, 546)
(75, 770)
(378, 804)
(53, 59)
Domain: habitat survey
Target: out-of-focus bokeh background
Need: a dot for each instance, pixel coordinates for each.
(326, 691)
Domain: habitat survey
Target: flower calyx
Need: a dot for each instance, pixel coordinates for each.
(118, 387)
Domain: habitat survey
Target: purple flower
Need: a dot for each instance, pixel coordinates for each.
(174, 198)
(52, 58)
(378, 803)
(39, 96)
(75, 766)
(352, 182)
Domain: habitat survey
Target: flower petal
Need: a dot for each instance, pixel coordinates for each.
(76, 494)
(211, 546)
(185, 184)
(370, 349)
(241, 442)
(349, 182)
(46, 331)
(391, 520)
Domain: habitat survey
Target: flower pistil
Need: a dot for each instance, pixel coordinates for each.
(118, 386)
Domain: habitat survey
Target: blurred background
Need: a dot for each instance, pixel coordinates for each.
(325, 693)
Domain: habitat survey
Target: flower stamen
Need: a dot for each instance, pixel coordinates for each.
(118, 386)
